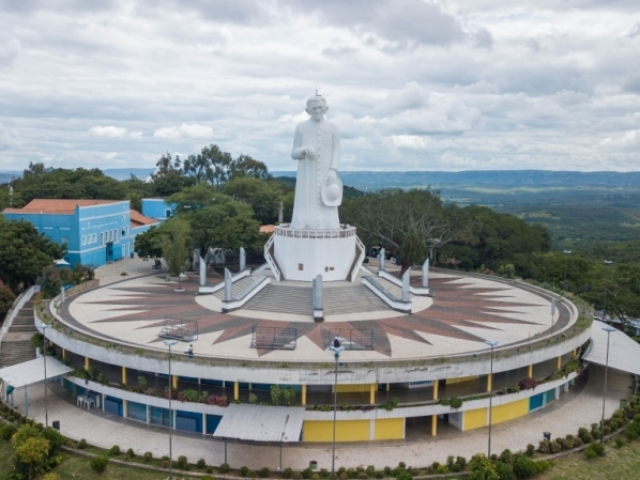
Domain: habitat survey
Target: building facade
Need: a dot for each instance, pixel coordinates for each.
(95, 232)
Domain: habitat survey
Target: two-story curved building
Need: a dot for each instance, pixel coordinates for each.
(396, 376)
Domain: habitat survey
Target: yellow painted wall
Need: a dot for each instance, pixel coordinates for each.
(474, 419)
(389, 428)
(354, 388)
(451, 381)
(346, 430)
(502, 413)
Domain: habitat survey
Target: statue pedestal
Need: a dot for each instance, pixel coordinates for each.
(304, 254)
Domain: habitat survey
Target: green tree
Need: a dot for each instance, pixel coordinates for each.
(149, 243)
(205, 209)
(240, 231)
(175, 243)
(7, 297)
(31, 457)
(24, 253)
(408, 222)
(263, 197)
(219, 163)
(245, 166)
(168, 178)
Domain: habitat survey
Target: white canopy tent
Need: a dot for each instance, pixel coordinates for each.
(28, 373)
(624, 352)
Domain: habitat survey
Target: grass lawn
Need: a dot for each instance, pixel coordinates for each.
(618, 464)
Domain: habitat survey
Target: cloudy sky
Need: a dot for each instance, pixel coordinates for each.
(412, 84)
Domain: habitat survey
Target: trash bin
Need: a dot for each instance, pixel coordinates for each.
(547, 435)
(313, 465)
(56, 425)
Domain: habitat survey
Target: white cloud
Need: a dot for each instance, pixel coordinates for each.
(109, 131)
(194, 131)
(410, 83)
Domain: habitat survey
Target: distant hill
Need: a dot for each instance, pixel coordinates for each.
(487, 178)
(125, 173)
(5, 177)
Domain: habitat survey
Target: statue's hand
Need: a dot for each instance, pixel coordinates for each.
(309, 153)
(331, 175)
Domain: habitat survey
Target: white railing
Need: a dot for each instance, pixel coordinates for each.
(285, 230)
(270, 260)
(359, 259)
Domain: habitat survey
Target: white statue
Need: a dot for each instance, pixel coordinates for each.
(316, 145)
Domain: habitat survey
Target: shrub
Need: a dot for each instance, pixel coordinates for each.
(379, 474)
(82, 444)
(51, 476)
(264, 472)
(577, 442)
(251, 474)
(524, 467)
(362, 475)
(504, 471)
(343, 476)
(30, 456)
(7, 431)
(587, 438)
(632, 431)
(527, 383)
(225, 468)
(99, 463)
(590, 453)
(404, 475)
(505, 456)
(619, 442)
(182, 462)
(147, 456)
(164, 464)
(371, 470)
(531, 449)
(201, 464)
(243, 471)
(115, 450)
(455, 402)
(597, 448)
(555, 447)
(130, 453)
(307, 472)
(544, 446)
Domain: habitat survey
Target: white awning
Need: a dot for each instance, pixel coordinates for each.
(261, 423)
(32, 372)
(624, 352)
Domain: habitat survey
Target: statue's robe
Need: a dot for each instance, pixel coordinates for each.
(309, 212)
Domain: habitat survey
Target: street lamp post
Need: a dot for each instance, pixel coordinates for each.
(604, 391)
(336, 348)
(170, 343)
(492, 344)
(44, 356)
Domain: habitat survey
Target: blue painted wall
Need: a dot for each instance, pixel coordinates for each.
(157, 208)
(95, 234)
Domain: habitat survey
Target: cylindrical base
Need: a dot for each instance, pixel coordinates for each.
(305, 254)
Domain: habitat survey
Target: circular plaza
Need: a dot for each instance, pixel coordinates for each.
(400, 375)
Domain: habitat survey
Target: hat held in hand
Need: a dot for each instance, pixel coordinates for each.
(331, 192)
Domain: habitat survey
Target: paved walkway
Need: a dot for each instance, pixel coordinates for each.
(133, 267)
(564, 416)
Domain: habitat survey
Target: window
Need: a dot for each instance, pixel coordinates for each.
(94, 238)
(84, 239)
(102, 238)
(64, 240)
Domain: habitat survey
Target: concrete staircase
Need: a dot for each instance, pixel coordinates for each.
(236, 287)
(298, 300)
(16, 344)
(390, 287)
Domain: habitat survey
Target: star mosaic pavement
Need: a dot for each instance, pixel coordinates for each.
(460, 306)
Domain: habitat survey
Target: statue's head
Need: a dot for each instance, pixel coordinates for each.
(316, 107)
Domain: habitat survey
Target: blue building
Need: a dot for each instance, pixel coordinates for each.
(157, 208)
(95, 231)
